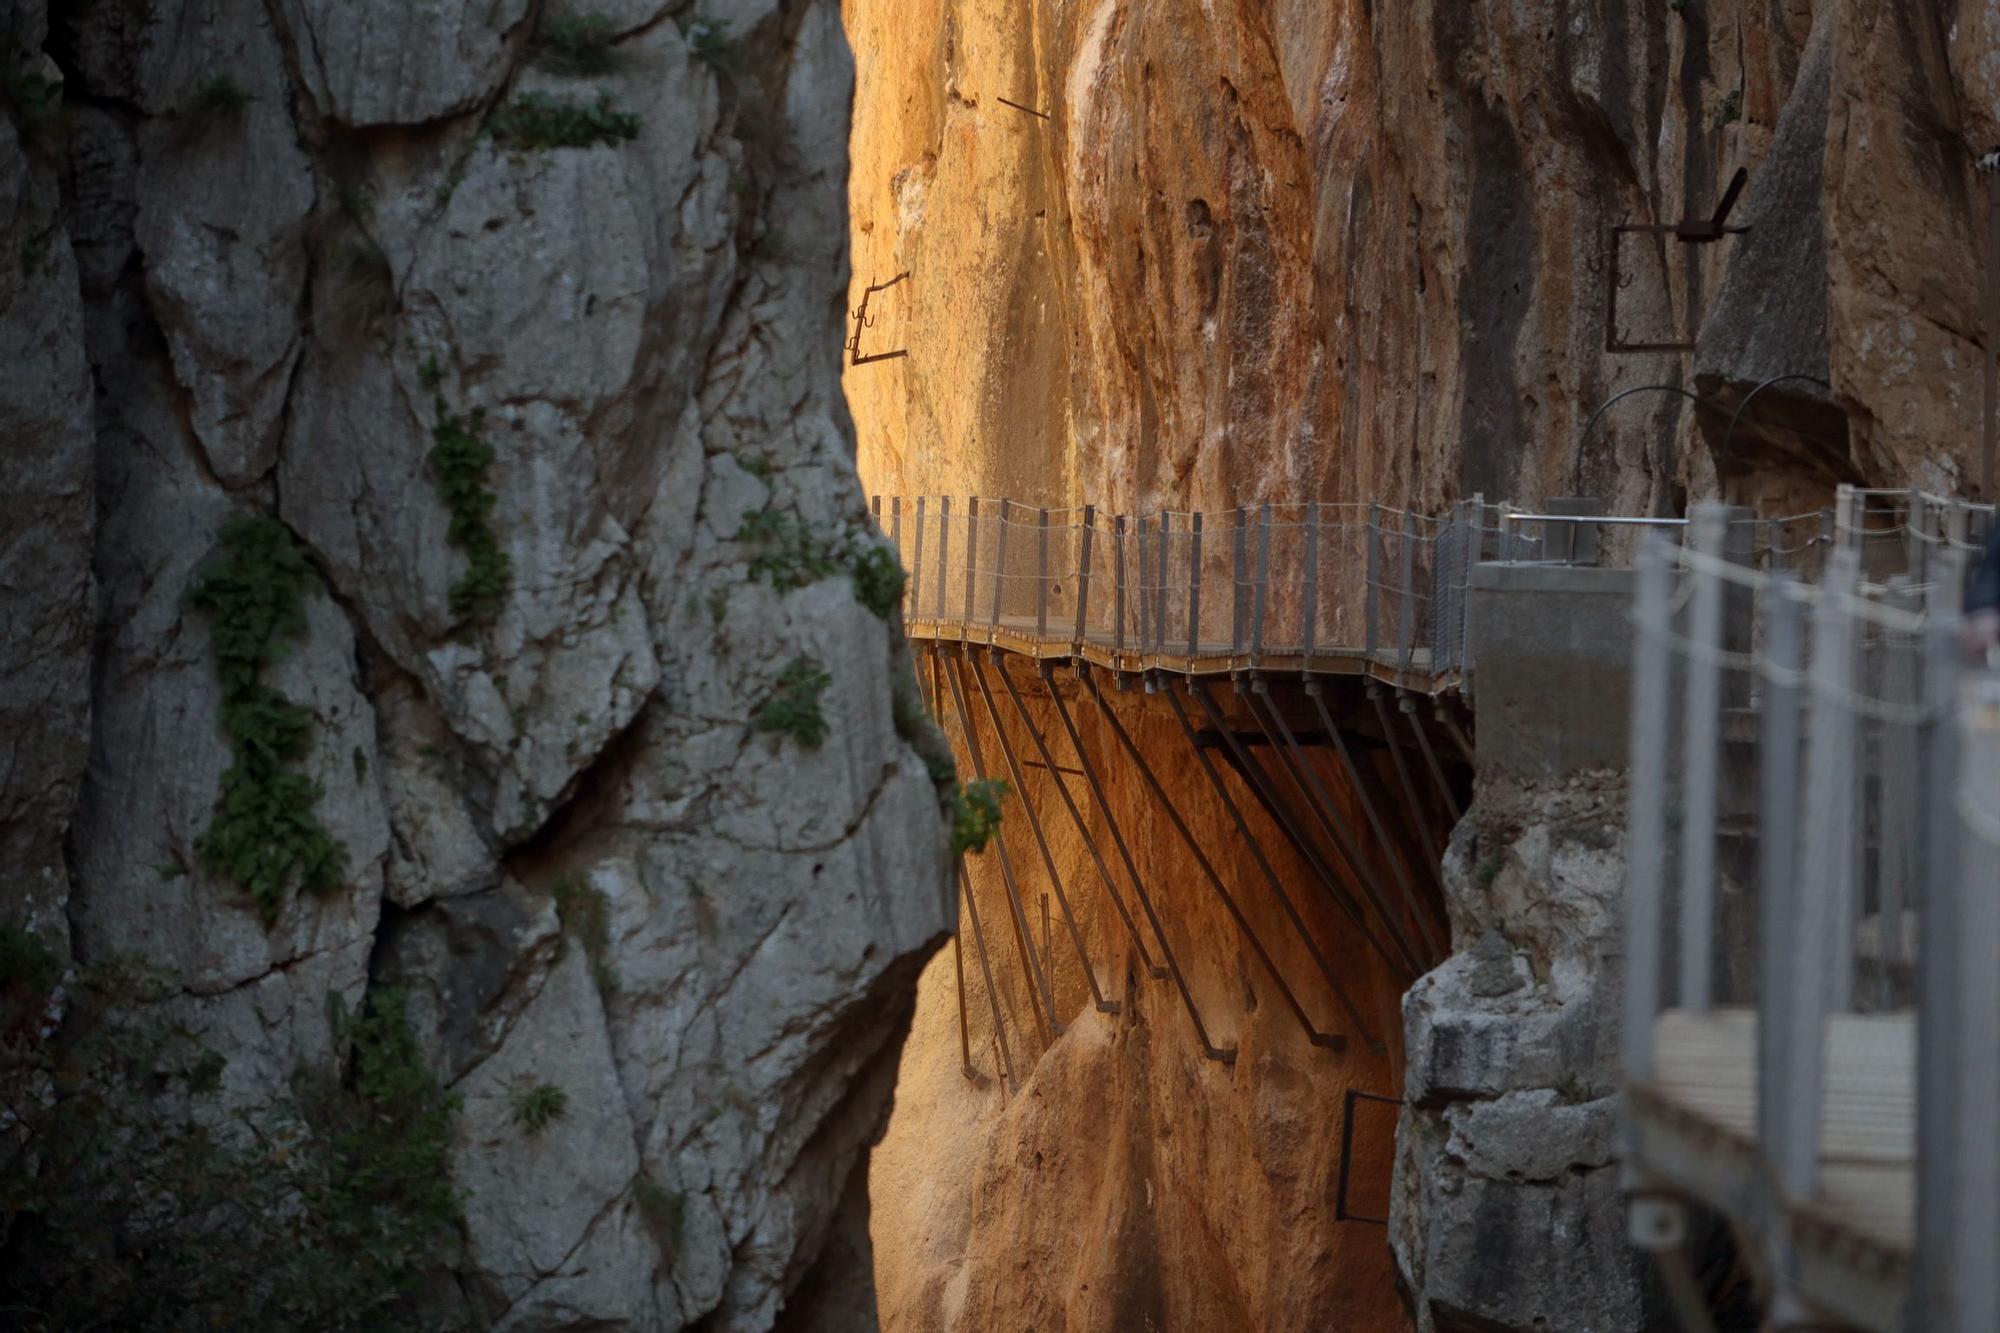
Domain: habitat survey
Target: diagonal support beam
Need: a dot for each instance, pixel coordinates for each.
(1390, 852)
(1031, 968)
(1271, 877)
(1223, 1054)
(1104, 1006)
(1313, 1034)
(1411, 801)
(1082, 827)
(1307, 779)
(1264, 787)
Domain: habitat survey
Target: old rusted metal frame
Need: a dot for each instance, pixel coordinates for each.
(1306, 778)
(1693, 231)
(861, 321)
(1018, 107)
(1046, 1021)
(1041, 841)
(1364, 792)
(1207, 868)
(1340, 1209)
(978, 941)
(1076, 818)
(1223, 1054)
(1277, 886)
(1273, 803)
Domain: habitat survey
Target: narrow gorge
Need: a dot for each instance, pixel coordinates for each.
(507, 828)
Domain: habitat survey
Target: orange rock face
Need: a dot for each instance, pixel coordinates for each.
(1175, 253)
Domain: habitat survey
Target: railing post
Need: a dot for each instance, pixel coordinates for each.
(1263, 583)
(1407, 636)
(1194, 589)
(875, 509)
(1145, 602)
(1000, 562)
(917, 565)
(1312, 577)
(896, 524)
(1118, 583)
(1645, 908)
(1913, 534)
(970, 617)
(1699, 724)
(944, 549)
(1160, 590)
(1777, 847)
(1816, 892)
(1083, 576)
(1042, 574)
(1847, 517)
(1372, 543)
(1973, 1159)
(1239, 605)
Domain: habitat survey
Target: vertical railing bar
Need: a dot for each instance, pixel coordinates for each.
(1160, 591)
(1373, 577)
(944, 550)
(971, 617)
(1312, 579)
(1041, 574)
(1239, 605)
(1083, 576)
(1646, 838)
(1194, 589)
(1263, 584)
(1000, 561)
(1777, 847)
(1118, 583)
(1408, 635)
(917, 565)
(1701, 718)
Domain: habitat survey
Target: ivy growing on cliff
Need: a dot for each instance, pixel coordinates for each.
(542, 121)
(578, 44)
(461, 458)
(975, 815)
(789, 552)
(265, 834)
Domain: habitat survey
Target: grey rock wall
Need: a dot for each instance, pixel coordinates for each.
(283, 243)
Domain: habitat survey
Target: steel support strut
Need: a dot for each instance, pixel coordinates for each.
(1208, 870)
(1411, 800)
(1277, 890)
(1225, 1054)
(1287, 819)
(1041, 842)
(1031, 968)
(1425, 927)
(1307, 780)
(1082, 828)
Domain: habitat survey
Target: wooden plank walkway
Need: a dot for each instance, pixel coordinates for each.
(1695, 1126)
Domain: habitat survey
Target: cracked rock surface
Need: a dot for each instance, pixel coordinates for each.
(268, 255)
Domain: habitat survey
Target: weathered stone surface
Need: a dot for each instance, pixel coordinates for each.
(46, 518)
(567, 842)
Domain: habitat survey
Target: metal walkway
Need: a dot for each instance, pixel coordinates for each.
(1812, 1022)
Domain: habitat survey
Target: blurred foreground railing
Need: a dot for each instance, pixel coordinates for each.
(1812, 990)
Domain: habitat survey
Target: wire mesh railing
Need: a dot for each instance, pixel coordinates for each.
(1814, 864)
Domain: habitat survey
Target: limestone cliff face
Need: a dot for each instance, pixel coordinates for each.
(1345, 250)
(303, 251)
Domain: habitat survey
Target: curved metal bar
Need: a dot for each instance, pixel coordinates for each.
(1742, 407)
(1576, 463)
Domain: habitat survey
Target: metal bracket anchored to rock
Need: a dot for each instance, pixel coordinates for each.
(861, 321)
(1692, 231)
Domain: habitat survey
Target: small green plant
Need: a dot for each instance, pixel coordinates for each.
(578, 44)
(541, 121)
(264, 835)
(793, 710)
(975, 815)
(585, 913)
(538, 1107)
(1732, 108)
(790, 552)
(878, 578)
(663, 1210)
(1488, 871)
(217, 99)
(430, 372)
(708, 41)
(461, 457)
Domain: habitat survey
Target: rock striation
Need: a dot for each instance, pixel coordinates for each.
(518, 325)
